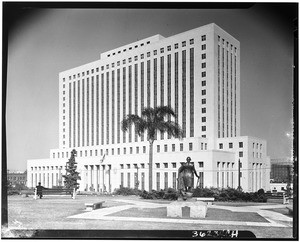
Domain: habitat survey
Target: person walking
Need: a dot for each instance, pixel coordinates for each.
(39, 190)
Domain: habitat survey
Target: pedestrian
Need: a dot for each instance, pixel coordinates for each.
(39, 190)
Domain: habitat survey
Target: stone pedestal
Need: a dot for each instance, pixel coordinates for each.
(197, 209)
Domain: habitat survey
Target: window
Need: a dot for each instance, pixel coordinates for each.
(173, 147)
(241, 154)
(181, 146)
(142, 165)
(200, 163)
(129, 59)
(173, 165)
(203, 37)
(144, 149)
(203, 110)
(220, 146)
(158, 148)
(203, 65)
(203, 83)
(137, 150)
(203, 92)
(106, 151)
(203, 74)
(203, 101)
(142, 56)
(148, 54)
(128, 166)
(183, 43)
(176, 46)
(136, 58)
(190, 146)
(169, 48)
(165, 165)
(166, 148)
(155, 52)
(122, 166)
(130, 150)
(191, 41)
(124, 61)
(118, 151)
(203, 47)
(203, 56)
(203, 119)
(112, 151)
(157, 165)
(203, 128)
(241, 144)
(161, 50)
(230, 145)
(124, 151)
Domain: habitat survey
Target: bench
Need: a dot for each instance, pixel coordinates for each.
(93, 206)
(209, 200)
(60, 191)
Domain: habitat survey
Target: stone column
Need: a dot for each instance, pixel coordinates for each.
(104, 187)
(89, 180)
(101, 177)
(50, 178)
(96, 178)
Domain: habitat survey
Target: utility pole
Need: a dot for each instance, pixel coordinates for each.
(239, 176)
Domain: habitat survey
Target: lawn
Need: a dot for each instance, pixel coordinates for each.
(212, 214)
(52, 212)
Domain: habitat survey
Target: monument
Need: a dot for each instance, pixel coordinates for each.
(185, 202)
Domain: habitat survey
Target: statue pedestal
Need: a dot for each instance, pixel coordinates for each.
(188, 209)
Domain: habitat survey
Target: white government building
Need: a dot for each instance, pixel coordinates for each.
(197, 73)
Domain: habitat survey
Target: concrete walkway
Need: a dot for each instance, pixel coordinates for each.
(275, 219)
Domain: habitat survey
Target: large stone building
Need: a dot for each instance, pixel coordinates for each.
(17, 177)
(197, 73)
(281, 170)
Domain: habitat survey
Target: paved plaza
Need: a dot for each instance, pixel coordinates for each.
(131, 213)
(274, 219)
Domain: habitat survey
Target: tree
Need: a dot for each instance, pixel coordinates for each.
(72, 176)
(151, 121)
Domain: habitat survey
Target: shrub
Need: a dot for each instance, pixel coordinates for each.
(230, 194)
(171, 194)
(168, 194)
(125, 191)
(13, 192)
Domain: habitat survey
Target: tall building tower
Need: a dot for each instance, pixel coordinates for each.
(197, 73)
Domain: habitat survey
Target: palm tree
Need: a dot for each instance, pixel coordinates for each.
(153, 120)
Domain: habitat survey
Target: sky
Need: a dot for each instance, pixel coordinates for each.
(44, 42)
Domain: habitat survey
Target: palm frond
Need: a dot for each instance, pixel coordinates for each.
(130, 120)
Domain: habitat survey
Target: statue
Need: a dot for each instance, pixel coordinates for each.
(186, 178)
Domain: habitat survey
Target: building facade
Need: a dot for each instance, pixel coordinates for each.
(281, 170)
(17, 177)
(197, 73)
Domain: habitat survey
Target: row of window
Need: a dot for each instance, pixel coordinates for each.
(225, 99)
(157, 165)
(158, 182)
(86, 100)
(16, 178)
(130, 150)
(130, 48)
(230, 146)
(46, 168)
(88, 72)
